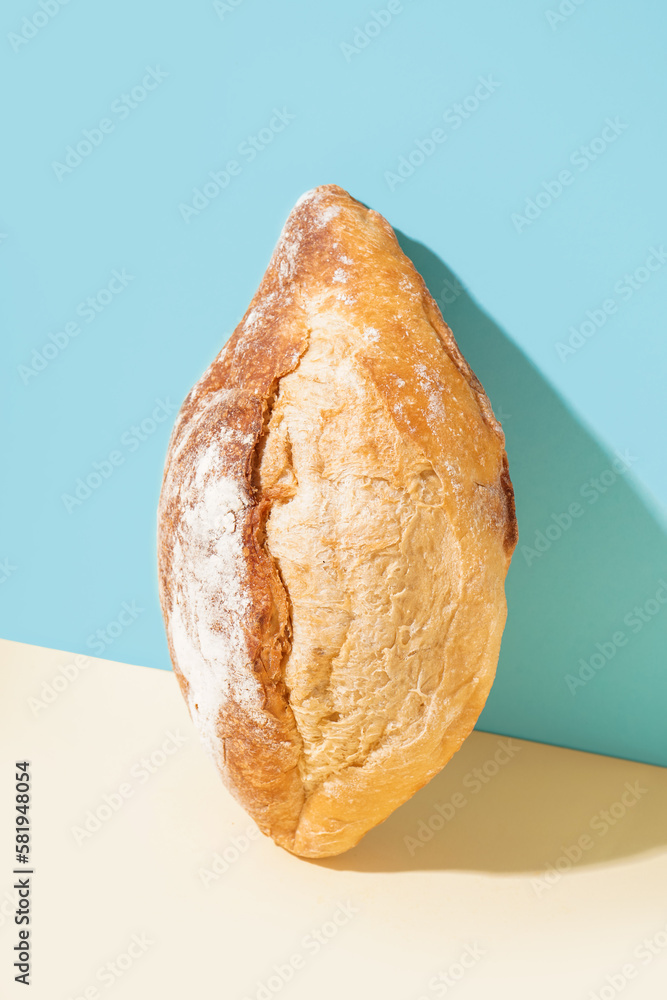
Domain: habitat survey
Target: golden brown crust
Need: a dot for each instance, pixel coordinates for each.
(226, 608)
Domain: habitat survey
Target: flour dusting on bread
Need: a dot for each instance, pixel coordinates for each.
(211, 597)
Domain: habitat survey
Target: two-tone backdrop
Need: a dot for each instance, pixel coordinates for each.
(152, 153)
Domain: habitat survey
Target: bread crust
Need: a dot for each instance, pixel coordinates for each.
(226, 608)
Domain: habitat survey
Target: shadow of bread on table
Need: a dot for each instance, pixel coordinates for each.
(511, 806)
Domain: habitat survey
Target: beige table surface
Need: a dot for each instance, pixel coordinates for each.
(169, 892)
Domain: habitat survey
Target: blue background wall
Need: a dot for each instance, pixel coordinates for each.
(532, 221)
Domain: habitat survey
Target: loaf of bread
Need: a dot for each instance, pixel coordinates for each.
(335, 526)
